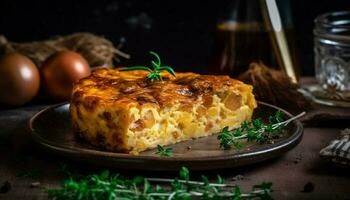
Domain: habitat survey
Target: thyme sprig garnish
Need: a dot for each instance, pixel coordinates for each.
(115, 187)
(154, 74)
(167, 152)
(255, 130)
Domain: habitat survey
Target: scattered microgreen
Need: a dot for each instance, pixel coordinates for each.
(167, 152)
(256, 130)
(184, 173)
(113, 186)
(154, 74)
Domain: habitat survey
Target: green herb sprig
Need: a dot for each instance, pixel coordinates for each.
(167, 152)
(115, 187)
(255, 130)
(154, 74)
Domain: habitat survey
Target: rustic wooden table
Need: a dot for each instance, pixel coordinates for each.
(299, 174)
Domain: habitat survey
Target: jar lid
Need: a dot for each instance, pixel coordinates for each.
(333, 27)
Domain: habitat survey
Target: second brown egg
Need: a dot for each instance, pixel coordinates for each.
(60, 71)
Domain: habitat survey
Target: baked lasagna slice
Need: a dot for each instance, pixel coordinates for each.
(123, 111)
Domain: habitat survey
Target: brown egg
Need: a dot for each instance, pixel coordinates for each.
(60, 71)
(19, 79)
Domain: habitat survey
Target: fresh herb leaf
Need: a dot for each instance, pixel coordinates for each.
(167, 152)
(184, 173)
(236, 193)
(205, 181)
(154, 74)
(263, 190)
(255, 130)
(112, 186)
(220, 179)
(137, 180)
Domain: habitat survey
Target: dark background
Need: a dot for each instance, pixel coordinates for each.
(182, 32)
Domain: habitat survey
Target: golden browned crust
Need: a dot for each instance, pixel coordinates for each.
(127, 87)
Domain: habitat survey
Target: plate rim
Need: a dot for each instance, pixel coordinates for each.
(283, 145)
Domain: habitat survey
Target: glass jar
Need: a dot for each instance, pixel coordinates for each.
(332, 54)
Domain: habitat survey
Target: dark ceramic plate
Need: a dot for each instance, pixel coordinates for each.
(51, 128)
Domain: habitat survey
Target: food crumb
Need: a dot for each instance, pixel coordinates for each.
(35, 184)
(239, 177)
(308, 187)
(5, 187)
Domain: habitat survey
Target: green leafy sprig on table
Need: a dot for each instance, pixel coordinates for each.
(115, 187)
(167, 152)
(154, 74)
(256, 130)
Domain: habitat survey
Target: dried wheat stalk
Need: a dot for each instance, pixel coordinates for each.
(274, 86)
(96, 50)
